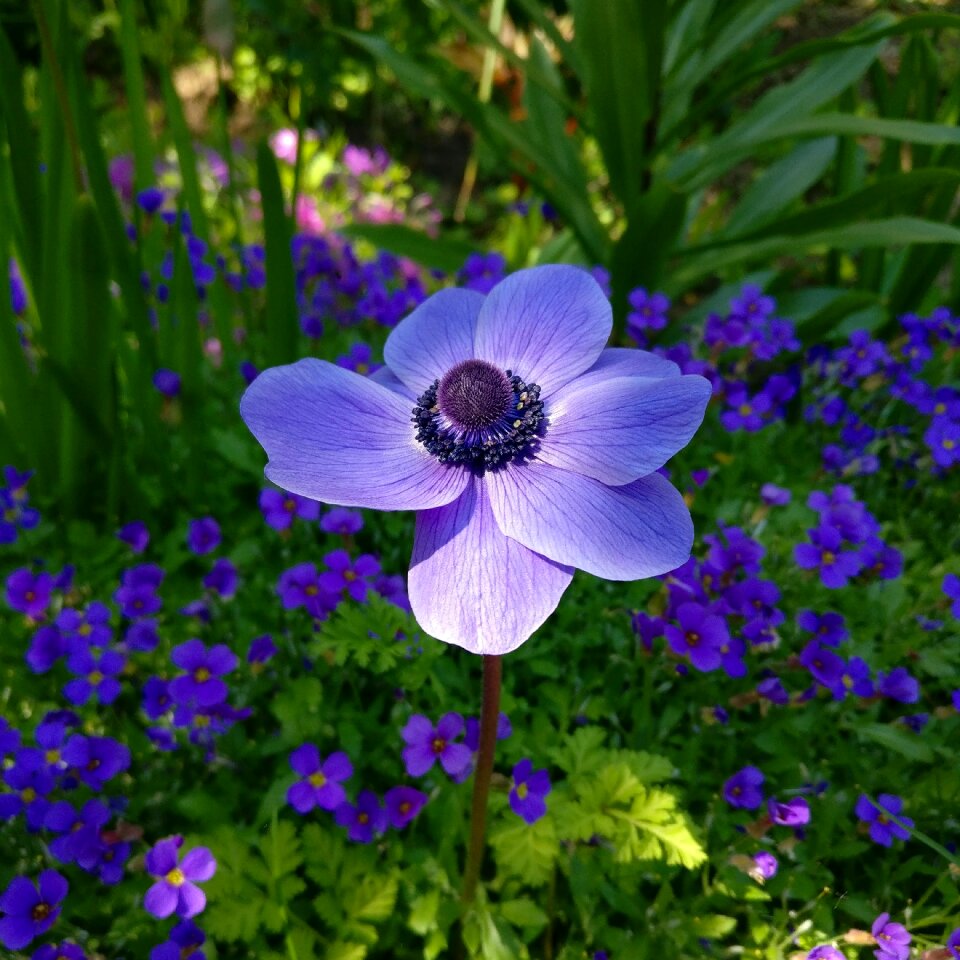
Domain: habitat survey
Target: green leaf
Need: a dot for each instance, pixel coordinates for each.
(714, 926)
(890, 232)
(280, 849)
(820, 83)
(523, 912)
(528, 851)
(620, 46)
(779, 185)
(900, 741)
(281, 312)
(345, 951)
(443, 253)
(136, 96)
(374, 899)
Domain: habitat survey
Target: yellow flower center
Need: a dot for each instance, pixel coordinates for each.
(201, 675)
(940, 408)
(95, 678)
(829, 557)
(201, 720)
(949, 444)
(85, 629)
(349, 575)
(175, 877)
(317, 779)
(363, 818)
(522, 791)
(41, 911)
(745, 409)
(52, 756)
(289, 505)
(28, 795)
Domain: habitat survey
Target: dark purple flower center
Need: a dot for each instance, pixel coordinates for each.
(478, 415)
(40, 912)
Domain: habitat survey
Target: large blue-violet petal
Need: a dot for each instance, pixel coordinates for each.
(620, 429)
(627, 362)
(640, 529)
(474, 587)
(386, 377)
(336, 436)
(546, 325)
(438, 335)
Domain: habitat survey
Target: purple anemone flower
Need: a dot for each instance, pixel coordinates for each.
(530, 788)
(30, 910)
(527, 448)
(426, 744)
(321, 784)
(176, 890)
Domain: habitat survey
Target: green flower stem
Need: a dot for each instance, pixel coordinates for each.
(489, 714)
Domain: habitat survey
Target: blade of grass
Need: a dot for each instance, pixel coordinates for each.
(281, 313)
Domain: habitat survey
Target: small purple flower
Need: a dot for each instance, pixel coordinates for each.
(47, 646)
(701, 635)
(222, 578)
(363, 820)
(427, 743)
(772, 689)
(825, 666)
(167, 382)
(156, 698)
(648, 311)
(142, 636)
(176, 890)
(135, 535)
(765, 864)
(825, 951)
(30, 783)
(96, 760)
(63, 951)
(185, 940)
(359, 359)
(300, 586)
(951, 587)
(898, 685)
(78, 839)
(279, 508)
(90, 627)
(792, 813)
(150, 200)
(322, 778)
(953, 943)
(744, 789)
(825, 552)
(883, 830)
(893, 939)
(30, 910)
(201, 684)
(774, 496)
(346, 577)
(29, 593)
(203, 535)
(529, 791)
(262, 650)
(829, 628)
(403, 804)
(96, 675)
(471, 735)
(341, 520)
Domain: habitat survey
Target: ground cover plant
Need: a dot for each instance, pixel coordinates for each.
(227, 726)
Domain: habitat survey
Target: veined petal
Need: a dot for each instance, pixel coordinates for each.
(386, 377)
(336, 436)
(627, 362)
(620, 429)
(435, 337)
(547, 324)
(474, 587)
(629, 532)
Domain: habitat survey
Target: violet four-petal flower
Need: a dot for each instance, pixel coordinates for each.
(176, 889)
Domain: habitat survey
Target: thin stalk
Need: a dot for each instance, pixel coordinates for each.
(494, 23)
(489, 714)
